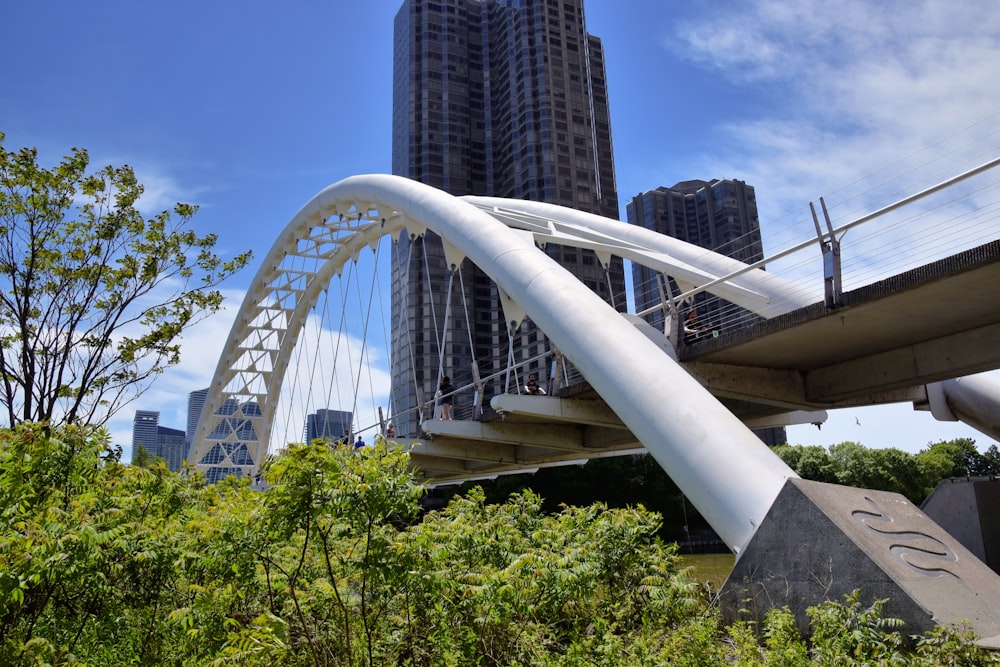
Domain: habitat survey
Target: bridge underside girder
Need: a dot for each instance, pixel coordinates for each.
(529, 432)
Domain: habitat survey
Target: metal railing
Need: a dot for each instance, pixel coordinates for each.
(967, 220)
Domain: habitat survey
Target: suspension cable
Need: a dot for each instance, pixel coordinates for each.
(476, 380)
(444, 327)
(364, 338)
(299, 351)
(364, 334)
(430, 290)
(385, 325)
(409, 334)
(611, 288)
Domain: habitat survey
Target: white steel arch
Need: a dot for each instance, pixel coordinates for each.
(726, 471)
(690, 265)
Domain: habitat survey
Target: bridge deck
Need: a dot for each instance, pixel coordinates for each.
(932, 323)
(880, 345)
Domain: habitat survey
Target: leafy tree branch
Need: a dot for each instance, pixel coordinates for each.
(94, 296)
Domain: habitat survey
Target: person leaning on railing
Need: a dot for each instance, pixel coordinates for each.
(532, 388)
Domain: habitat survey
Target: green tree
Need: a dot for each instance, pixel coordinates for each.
(811, 462)
(89, 552)
(329, 545)
(141, 457)
(991, 460)
(852, 464)
(93, 296)
(951, 458)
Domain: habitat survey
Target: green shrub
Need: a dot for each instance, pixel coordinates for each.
(107, 564)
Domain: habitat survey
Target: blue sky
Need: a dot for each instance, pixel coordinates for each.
(251, 108)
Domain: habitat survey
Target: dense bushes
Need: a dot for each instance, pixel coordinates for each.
(106, 564)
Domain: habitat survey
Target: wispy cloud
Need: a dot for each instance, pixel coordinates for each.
(163, 187)
(859, 102)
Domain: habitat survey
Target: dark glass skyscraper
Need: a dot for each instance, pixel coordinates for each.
(329, 425)
(720, 215)
(504, 98)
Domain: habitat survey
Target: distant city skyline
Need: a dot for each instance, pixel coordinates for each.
(158, 442)
(173, 444)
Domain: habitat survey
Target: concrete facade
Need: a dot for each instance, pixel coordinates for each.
(822, 541)
(969, 509)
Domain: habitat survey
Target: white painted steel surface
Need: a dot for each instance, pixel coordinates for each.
(974, 399)
(723, 469)
(691, 265)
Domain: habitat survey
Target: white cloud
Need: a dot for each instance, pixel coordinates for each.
(162, 188)
(861, 103)
(849, 86)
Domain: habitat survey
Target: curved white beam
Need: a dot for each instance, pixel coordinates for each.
(974, 399)
(755, 290)
(257, 352)
(726, 471)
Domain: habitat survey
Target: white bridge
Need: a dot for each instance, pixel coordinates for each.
(920, 335)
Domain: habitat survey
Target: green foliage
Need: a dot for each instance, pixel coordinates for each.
(991, 461)
(952, 458)
(618, 482)
(107, 564)
(810, 462)
(93, 296)
(783, 644)
(953, 646)
(141, 457)
(88, 550)
(852, 634)
(329, 547)
(534, 582)
(912, 475)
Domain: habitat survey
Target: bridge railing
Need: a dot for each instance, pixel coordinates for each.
(947, 217)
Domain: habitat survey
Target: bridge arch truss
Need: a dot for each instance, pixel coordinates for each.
(501, 237)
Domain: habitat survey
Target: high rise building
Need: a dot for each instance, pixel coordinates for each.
(196, 403)
(144, 426)
(329, 425)
(720, 215)
(158, 441)
(502, 98)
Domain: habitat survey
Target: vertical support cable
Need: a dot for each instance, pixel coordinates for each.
(444, 327)
(477, 381)
(611, 289)
(404, 317)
